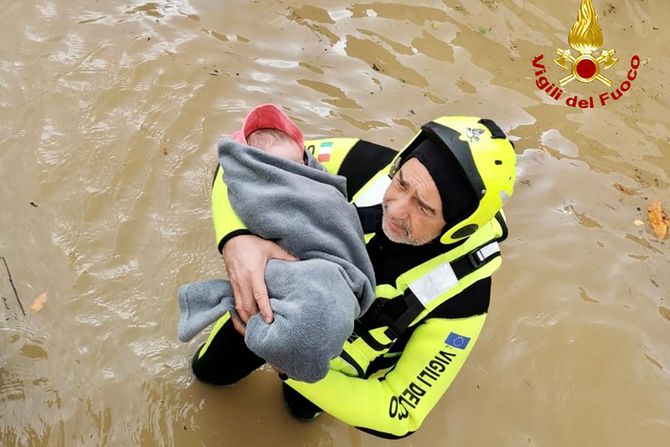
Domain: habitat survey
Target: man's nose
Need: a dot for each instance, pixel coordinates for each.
(399, 208)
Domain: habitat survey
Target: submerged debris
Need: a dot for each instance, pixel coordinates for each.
(658, 220)
(38, 303)
(623, 189)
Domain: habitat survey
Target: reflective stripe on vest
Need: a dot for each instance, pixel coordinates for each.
(441, 279)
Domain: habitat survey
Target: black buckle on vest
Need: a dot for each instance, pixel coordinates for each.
(476, 258)
(401, 323)
(391, 334)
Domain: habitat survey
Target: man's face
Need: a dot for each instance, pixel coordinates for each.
(412, 206)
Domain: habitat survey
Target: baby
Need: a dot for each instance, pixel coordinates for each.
(283, 194)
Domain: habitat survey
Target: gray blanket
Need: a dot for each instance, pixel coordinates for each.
(315, 300)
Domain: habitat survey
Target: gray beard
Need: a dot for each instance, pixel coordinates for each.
(407, 240)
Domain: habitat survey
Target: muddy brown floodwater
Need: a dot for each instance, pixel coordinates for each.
(109, 112)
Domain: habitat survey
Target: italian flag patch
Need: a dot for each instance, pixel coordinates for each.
(324, 151)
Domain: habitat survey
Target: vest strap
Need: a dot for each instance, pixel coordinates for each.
(344, 355)
(429, 287)
(503, 226)
(373, 342)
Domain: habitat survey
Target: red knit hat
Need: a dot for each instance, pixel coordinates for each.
(268, 116)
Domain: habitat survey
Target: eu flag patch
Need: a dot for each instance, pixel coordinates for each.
(457, 341)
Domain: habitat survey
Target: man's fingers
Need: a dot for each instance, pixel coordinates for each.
(261, 298)
(280, 253)
(237, 324)
(243, 297)
(237, 296)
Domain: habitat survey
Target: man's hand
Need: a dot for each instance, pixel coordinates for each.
(246, 257)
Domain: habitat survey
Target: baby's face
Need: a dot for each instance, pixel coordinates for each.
(276, 143)
(290, 151)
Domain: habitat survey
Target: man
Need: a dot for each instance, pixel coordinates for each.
(431, 214)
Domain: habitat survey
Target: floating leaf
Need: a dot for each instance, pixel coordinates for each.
(658, 220)
(38, 303)
(623, 189)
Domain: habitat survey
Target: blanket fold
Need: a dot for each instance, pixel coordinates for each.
(315, 300)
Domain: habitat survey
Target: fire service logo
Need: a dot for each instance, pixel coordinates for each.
(586, 39)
